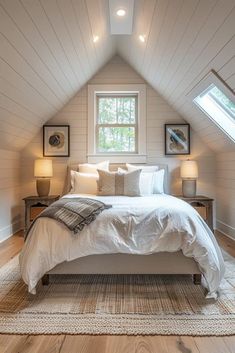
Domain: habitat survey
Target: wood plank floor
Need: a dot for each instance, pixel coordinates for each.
(110, 344)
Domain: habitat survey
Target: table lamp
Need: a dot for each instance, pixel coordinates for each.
(189, 175)
(43, 172)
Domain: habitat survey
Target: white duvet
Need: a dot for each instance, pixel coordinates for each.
(134, 225)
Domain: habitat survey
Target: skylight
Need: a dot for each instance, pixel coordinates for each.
(216, 100)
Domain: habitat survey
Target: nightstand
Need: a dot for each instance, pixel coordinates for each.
(203, 205)
(34, 205)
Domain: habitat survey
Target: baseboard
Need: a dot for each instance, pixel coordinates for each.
(8, 231)
(226, 229)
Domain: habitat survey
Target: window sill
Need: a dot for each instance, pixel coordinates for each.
(117, 158)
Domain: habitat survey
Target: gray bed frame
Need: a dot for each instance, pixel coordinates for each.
(159, 263)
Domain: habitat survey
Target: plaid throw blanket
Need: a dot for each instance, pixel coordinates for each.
(75, 213)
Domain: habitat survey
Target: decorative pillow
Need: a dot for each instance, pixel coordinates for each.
(83, 183)
(92, 168)
(145, 169)
(116, 183)
(158, 184)
(146, 182)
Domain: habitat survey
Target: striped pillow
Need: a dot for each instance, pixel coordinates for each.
(116, 183)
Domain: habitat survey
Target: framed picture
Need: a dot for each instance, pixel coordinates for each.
(177, 139)
(56, 141)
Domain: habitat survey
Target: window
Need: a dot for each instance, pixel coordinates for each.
(216, 100)
(117, 123)
(221, 101)
(116, 126)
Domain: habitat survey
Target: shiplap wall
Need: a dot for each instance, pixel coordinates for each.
(46, 54)
(158, 113)
(185, 39)
(10, 193)
(225, 193)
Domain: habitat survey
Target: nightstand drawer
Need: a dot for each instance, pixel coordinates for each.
(35, 211)
(34, 205)
(203, 205)
(202, 211)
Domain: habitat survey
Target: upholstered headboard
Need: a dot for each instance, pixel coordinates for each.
(113, 167)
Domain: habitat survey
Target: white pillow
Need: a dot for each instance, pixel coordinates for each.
(146, 182)
(145, 169)
(158, 184)
(92, 168)
(83, 183)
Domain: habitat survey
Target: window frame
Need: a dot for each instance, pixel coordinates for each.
(139, 91)
(203, 87)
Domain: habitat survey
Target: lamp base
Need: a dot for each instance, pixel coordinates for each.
(43, 186)
(189, 187)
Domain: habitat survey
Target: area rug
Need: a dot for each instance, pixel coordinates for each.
(116, 305)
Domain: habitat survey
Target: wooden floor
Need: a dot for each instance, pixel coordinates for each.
(110, 344)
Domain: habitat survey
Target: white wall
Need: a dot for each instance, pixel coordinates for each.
(47, 54)
(225, 193)
(184, 41)
(10, 193)
(158, 113)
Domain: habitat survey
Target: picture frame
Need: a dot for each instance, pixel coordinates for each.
(177, 139)
(56, 140)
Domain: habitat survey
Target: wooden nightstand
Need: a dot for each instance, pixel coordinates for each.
(203, 205)
(35, 205)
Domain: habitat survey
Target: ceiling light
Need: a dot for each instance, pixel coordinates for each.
(95, 39)
(121, 12)
(142, 38)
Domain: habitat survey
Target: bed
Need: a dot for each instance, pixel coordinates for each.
(157, 234)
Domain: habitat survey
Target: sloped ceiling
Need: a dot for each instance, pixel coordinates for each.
(185, 39)
(47, 54)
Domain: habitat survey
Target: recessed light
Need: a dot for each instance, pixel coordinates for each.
(121, 12)
(142, 38)
(95, 39)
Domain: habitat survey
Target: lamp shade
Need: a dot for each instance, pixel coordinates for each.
(43, 168)
(189, 170)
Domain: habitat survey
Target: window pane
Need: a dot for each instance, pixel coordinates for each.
(219, 108)
(116, 139)
(116, 110)
(107, 110)
(126, 110)
(223, 100)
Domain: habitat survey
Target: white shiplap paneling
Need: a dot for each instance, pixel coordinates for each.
(186, 39)
(46, 54)
(158, 113)
(225, 188)
(10, 193)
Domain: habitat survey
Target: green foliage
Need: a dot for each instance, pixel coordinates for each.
(116, 110)
(223, 99)
(116, 139)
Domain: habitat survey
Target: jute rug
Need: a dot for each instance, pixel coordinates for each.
(132, 305)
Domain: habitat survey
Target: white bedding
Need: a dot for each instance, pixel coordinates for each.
(134, 225)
